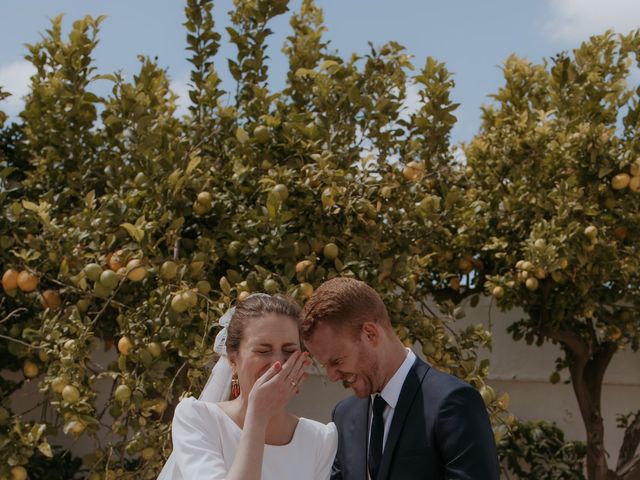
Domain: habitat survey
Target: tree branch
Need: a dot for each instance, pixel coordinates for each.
(597, 366)
(629, 444)
(25, 344)
(573, 341)
(11, 314)
(630, 471)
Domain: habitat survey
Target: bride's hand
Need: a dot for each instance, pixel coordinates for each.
(278, 385)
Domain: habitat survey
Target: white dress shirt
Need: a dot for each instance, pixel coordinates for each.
(390, 393)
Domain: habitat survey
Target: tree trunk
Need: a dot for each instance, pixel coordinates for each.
(587, 383)
(589, 362)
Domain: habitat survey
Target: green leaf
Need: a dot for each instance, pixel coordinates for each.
(45, 449)
(241, 135)
(89, 199)
(5, 172)
(122, 363)
(329, 65)
(29, 205)
(604, 171)
(193, 164)
(274, 201)
(306, 72)
(106, 76)
(136, 233)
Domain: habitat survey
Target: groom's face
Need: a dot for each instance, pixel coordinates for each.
(346, 357)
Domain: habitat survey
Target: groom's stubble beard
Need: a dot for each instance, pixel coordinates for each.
(369, 373)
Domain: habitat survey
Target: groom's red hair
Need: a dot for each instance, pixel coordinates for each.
(344, 304)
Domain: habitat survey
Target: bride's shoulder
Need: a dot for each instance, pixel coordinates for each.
(319, 429)
(190, 408)
(196, 422)
(321, 438)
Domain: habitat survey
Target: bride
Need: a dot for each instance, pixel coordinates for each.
(240, 429)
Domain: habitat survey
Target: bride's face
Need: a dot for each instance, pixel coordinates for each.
(265, 340)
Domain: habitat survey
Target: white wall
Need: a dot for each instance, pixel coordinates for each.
(524, 370)
(517, 368)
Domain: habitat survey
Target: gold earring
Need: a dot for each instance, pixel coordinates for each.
(235, 386)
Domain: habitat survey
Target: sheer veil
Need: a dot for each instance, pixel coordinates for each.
(218, 386)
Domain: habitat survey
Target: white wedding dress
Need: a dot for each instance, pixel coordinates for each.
(206, 439)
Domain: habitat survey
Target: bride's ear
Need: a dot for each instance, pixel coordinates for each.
(232, 359)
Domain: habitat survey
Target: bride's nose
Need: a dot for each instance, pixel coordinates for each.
(280, 357)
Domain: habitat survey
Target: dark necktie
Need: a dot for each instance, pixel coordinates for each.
(377, 436)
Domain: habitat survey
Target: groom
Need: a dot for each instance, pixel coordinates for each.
(407, 420)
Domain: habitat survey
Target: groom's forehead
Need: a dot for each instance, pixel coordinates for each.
(324, 337)
(328, 342)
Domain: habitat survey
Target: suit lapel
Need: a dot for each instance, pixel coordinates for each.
(358, 426)
(408, 392)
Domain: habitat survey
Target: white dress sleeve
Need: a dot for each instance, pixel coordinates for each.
(327, 442)
(197, 446)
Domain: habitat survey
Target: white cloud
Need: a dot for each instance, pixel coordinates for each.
(459, 156)
(180, 87)
(576, 20)
(412, 102)
(14, 78)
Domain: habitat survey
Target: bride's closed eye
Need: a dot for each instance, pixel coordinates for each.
(262, 349)
(265, 351)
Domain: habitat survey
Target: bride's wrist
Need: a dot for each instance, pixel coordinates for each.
(255, 418)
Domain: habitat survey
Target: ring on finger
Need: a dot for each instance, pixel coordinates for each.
(299, 372)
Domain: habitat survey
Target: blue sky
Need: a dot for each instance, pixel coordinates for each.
(472, 37)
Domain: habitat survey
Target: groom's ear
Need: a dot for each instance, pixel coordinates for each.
(371, 332)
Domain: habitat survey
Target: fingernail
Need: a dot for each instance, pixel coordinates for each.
(277, 365)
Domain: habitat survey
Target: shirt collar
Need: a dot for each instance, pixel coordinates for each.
(391, 391)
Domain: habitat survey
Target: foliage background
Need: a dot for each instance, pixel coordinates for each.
(275, 191)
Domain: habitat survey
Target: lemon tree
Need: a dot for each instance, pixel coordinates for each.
(555, 169)
(129, 230)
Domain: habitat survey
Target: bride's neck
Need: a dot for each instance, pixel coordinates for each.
(241, 406)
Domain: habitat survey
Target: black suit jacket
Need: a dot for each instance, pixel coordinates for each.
(440, 430)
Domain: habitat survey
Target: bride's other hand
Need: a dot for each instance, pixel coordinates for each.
(278, 385)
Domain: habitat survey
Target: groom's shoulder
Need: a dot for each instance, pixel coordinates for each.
(432, 379)
(348, 405)
(444, 380)
(437, 384)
